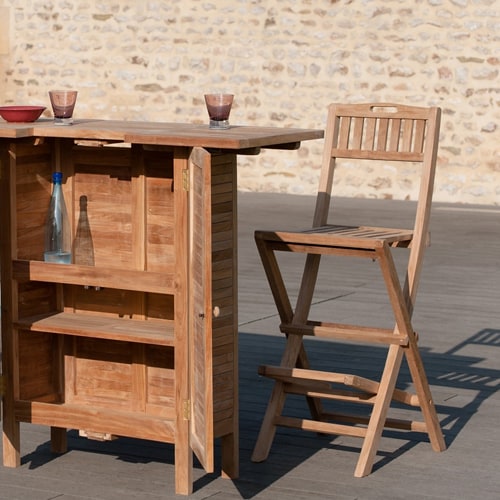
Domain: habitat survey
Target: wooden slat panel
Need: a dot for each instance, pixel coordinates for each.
(105, 181)
(201, 309)
(104, 302)
(104, 375)
(37, 357)
(224, 297)
(34, 164)
(160, 382)
(160, 232)
(36, 298)
(159, 306)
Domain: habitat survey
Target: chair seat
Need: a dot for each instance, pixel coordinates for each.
(339, 236)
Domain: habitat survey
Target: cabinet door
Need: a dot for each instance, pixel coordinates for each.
(200, 308)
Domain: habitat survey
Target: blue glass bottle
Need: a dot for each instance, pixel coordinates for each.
(57, 228)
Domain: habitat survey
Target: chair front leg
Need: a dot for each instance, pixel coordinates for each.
(275, 280)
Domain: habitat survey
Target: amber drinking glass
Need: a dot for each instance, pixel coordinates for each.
(63, 103)
(219, 107)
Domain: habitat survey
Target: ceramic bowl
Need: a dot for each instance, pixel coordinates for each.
(21, 113)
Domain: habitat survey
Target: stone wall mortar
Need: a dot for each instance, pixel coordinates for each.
(285, 60)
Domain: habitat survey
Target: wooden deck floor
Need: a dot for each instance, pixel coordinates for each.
(458, 319)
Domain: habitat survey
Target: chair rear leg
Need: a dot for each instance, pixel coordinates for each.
(425, 399)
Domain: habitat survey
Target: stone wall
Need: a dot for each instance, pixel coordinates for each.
(285, 60)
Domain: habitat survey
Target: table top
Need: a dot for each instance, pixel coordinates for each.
(168, 134)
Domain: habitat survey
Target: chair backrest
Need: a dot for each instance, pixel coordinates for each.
(388, 132)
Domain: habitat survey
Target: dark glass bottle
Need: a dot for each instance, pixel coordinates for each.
(57, 228)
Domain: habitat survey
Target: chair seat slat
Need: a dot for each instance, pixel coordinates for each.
(344, 236)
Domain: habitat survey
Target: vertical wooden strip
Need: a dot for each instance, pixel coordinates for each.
(383, 126)
(8, 241)
(357, 133)
(345, 129)
(70, 369)
(183, 454)
(327, 167)
(138, 378)
(407, 135)
(139, 216)
(419, 135)
(225, 310)
(138, 209)
(369, 139)
(395, 134)
(200, 308)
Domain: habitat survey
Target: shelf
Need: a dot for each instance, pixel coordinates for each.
(142, 281)
(105, 420)
(102, 327)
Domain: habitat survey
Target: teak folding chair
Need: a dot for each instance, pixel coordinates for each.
(382, 132)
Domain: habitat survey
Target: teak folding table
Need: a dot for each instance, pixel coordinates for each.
(138, 336)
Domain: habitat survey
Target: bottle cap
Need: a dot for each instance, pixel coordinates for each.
(57, 177)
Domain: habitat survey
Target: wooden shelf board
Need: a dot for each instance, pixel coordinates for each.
(103, 327)
(142, 281)
(91, 418)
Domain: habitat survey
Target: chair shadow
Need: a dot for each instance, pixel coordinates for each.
(455, 369)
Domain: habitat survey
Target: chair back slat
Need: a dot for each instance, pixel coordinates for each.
(419, 135)
(407, 136)
(344, 133)
(395, 135)
(383, 127)
(370, 124)
(357, 133)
